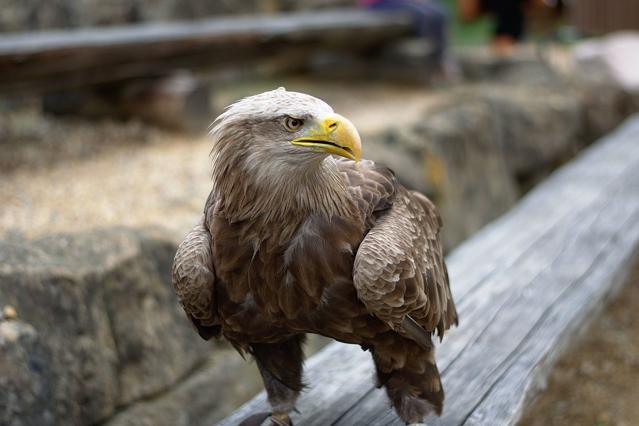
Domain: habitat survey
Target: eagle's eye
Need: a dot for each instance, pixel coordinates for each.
(293, 124)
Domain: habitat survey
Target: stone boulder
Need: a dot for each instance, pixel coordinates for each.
(26, 384)
(587, 73)
(535, 127)
(526, 66)
(208, 395)
(471, 150)
(608, 74)
(465, 165)
(203, 398)
(605, 104)
(96, 326)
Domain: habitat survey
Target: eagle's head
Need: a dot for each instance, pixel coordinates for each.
(279, 143)
(284, 125)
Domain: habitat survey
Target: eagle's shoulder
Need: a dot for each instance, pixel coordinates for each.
(372, 185)
(399, 270)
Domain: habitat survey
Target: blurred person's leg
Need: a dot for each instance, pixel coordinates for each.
(433, 25)
(509, 16)
(510, 21)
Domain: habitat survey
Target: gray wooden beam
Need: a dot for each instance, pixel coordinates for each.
(525, 285)
(77, 57)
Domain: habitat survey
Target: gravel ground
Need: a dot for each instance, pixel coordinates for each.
(597, 382)
(59, 175)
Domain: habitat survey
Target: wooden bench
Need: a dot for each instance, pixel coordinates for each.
(525, 286)
(149, 71)
(62, 59)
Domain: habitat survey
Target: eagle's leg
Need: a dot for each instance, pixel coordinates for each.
(280, 365)
(410, 376)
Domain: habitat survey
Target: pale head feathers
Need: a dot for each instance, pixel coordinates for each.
(257, 172)
(272, 104)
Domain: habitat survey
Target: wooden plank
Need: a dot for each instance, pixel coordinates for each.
(516, 388)
(240, 29)
(516, 311)
(103, 54)
(521, 313)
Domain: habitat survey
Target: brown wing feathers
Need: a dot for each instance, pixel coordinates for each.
(399, 270)
(193, 280)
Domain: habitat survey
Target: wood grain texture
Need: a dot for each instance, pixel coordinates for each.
(77, 57)
(524, 286)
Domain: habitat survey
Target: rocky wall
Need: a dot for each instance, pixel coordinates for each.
(90, 324)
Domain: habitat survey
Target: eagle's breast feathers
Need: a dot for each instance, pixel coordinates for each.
(328, 275)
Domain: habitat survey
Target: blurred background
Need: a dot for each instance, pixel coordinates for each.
(104, 109)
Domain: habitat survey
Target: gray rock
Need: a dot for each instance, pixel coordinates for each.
(525, 66)
(206, 396)
(588, 76)
(25, 382)
(79, 379)
(464, 165)
(209, 394)
(605, 105)
(537, 127)
(104, 317)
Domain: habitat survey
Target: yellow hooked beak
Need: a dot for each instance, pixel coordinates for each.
(333, 134)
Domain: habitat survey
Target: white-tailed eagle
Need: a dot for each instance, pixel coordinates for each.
(300, 236)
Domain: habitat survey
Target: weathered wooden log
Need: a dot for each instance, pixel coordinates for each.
(178, 101)
(63, 59)
(525, 286)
